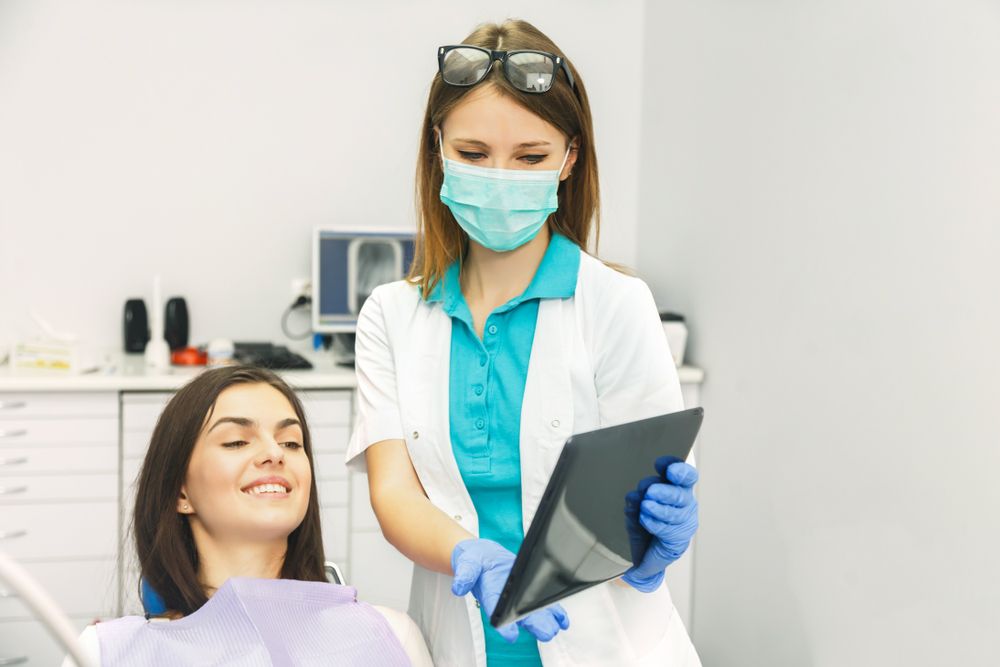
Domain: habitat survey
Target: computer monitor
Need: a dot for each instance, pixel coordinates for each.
(347, 265)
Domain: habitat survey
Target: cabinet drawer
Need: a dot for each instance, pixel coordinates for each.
(102, 430)
(34, 488)
(330, 466)
(29, 644)
(141, 410)
(326, 408)
(75, 459)
(332, 492)
(78, 587)
(334, 522)
(58, 404)
(70, 530)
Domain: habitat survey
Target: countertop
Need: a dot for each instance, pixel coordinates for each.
(127, 372)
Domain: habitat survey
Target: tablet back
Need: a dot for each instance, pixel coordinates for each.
(586, 530)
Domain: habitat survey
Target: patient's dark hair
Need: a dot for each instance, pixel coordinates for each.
(168, 558)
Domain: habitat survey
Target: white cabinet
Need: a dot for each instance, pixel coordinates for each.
(59, 506)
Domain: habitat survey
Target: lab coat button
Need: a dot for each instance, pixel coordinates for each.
(458, 517)
(416, 435)
(555, 423)
(477, 604)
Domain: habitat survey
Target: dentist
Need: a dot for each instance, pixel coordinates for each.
(507, 338)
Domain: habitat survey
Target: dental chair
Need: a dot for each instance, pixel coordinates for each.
(153, 604)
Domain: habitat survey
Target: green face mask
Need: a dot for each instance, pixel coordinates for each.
(500, 209)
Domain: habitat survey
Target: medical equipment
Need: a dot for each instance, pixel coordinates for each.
(581, 536)
(669, 512)
(347, 264)
(44, 607)
(481, 567)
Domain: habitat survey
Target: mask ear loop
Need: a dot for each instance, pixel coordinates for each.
(565, 157)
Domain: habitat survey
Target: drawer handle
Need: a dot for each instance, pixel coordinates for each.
(16, 660)
(16, 461)
(12, 534)
(11, 405)
(13, 434)
(12, 490)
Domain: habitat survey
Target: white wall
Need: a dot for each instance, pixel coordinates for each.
(820, 195)
(203, 140)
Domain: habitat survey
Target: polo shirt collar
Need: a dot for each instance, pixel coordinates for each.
(555, 278)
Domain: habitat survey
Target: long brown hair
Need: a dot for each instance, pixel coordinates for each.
(440, 240)
(168, 558)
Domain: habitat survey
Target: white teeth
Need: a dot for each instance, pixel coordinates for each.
(266, 488)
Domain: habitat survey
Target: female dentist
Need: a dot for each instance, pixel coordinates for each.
(506, 339)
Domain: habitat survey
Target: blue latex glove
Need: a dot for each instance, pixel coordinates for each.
(482, 567)
(669, 511)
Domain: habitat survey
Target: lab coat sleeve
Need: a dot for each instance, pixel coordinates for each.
(377, 407)
(635, 375)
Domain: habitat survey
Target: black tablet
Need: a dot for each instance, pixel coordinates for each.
(586, 530)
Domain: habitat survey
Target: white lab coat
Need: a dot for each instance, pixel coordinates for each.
(599, 358)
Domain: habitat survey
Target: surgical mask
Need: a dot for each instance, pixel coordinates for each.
(500, 209)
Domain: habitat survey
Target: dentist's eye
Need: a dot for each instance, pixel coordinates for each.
(471, 156)
(533, 159)
(235, 444)
(292, 445)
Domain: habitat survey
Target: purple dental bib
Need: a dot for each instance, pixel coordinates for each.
(259, 622)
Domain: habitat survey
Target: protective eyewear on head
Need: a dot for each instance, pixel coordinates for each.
(528, 71)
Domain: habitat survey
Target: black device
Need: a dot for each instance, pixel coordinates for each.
(176, 326)
(136, 325)
(268, 355)
(586, 530)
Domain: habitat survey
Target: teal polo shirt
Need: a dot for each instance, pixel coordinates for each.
(487, 380)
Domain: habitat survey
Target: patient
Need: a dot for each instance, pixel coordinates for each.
(227, 532)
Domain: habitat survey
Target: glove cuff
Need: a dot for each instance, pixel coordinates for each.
(644, 584)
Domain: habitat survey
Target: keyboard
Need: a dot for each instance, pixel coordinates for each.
(268, 355)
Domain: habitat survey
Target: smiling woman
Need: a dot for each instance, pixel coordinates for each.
(226, 515)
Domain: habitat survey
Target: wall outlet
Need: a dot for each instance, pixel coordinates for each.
(301, 287)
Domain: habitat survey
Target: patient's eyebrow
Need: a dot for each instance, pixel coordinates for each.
(241, 421)
(246, 422)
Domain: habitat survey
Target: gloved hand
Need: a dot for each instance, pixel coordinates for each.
(482, 566)
(669, 511)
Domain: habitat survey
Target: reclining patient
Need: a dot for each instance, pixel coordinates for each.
(227, 531)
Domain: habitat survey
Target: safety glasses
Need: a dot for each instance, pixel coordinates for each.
(528, 71)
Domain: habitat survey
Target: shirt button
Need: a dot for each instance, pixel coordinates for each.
(492, 329)
(478, 389)
(482, 361)
(480, 423)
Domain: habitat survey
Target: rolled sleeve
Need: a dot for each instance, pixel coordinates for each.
(377, 415)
